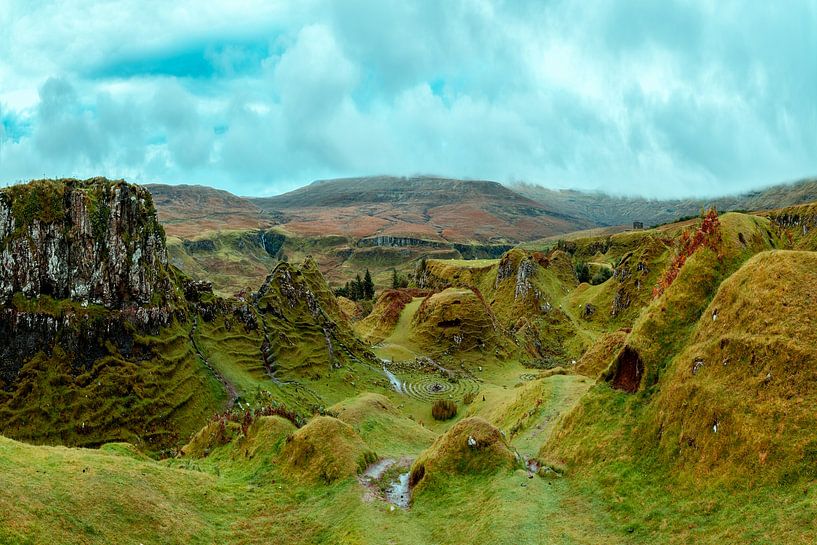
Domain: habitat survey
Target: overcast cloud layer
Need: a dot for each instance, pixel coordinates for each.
(656, 98)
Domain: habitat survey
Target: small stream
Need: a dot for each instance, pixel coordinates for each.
(396, 383)
(397, 492)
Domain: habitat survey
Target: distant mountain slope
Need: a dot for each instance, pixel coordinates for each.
(601, 209)
(421, 207)
(189, 210)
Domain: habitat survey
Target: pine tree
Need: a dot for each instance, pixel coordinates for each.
(395, 281)
(357, 288)
(368, 286)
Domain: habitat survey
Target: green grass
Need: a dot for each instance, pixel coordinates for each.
(642, 468)
(154, 403)
(399, 346)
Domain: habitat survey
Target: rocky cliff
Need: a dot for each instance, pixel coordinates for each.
(93, 323)
(94, 241)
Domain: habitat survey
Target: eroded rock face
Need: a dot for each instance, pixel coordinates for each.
(93, 241)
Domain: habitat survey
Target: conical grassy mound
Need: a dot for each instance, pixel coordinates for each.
(381, 426)
(457, 320)
(325, 450)
(306, 332)
(471, 447)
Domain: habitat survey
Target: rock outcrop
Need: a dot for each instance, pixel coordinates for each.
(93, 323)
(93, 241)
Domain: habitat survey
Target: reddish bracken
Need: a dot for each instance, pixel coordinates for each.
(707, 235)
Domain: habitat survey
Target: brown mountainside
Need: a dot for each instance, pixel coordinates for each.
(422, 207)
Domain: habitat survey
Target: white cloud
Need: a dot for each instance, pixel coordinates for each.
(259, 97)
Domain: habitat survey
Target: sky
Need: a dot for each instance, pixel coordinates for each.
(661, 99)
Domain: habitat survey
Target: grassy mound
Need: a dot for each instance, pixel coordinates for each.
(325, 450)
(741, 394)
(382, 426)
(250, 446)
(381, 321)
(598, 357)
(439, 274)
(215, 434)
(306, 332)
(350, 309)
(471, 447)
(457, 320)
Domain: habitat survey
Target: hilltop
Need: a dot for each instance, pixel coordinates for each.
(607, 210)
(439, 209)
(189, 210)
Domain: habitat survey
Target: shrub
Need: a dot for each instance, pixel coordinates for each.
(601, 276)
(582, 272)
(443, 409)
(469, 398)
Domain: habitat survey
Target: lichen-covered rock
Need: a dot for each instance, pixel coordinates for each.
(93, 324)
(94, 241)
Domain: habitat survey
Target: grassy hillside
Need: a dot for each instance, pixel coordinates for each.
(721, 408)
(670, 403)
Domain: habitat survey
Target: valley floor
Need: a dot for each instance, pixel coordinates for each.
(243, 492)
(116, 495)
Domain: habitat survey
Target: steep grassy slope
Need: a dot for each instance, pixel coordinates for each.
(385, 314)
(740, 395)
(154, 401)
(666, 324)
(93, 321)
(306, 330)
(722, 409)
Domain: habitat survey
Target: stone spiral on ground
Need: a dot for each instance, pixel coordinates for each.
(432, 387)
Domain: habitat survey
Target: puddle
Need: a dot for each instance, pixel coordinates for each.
(396, 491)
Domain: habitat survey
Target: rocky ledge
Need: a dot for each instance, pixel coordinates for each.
(93, 241)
